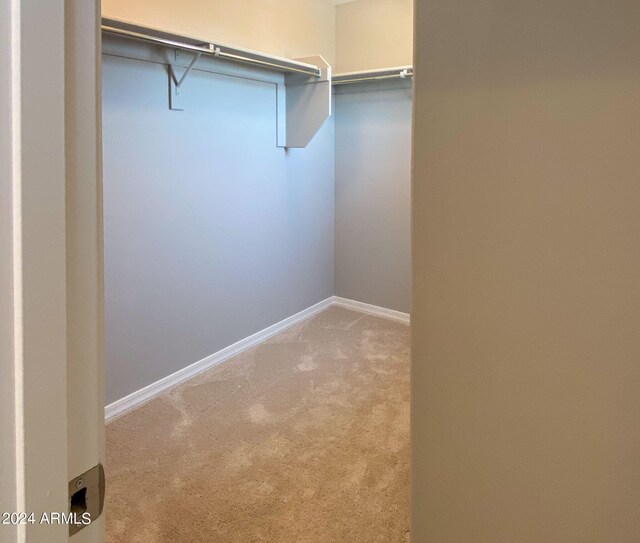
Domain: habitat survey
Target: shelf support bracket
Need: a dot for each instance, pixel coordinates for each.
(175, 83)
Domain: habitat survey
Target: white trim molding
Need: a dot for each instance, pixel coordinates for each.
(378, 311)
(139, 397)
(121, 406)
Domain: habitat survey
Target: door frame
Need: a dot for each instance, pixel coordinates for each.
(51, 288)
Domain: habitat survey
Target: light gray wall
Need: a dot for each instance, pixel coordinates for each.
(373, 158)
(526, 277)
(211, 232)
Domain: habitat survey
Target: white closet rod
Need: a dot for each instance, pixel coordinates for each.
(235, 54)
(401, 72)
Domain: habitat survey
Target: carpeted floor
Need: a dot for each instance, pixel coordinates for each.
(303, 439)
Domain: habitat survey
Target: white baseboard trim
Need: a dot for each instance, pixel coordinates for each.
(137, 398)
(378, 311)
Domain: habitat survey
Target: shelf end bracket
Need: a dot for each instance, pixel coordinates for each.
(175, 82)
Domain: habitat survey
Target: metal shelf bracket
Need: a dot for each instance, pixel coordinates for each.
(175, 83)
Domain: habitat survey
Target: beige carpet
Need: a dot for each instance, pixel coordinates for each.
(303, 439)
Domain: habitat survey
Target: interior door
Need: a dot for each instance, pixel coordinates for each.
(51, 401)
